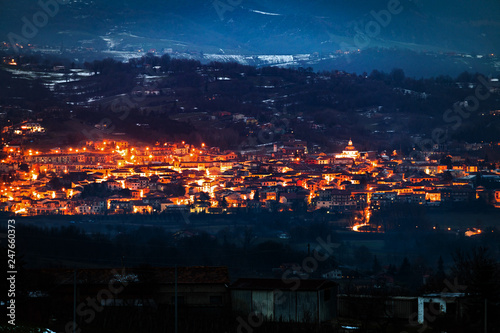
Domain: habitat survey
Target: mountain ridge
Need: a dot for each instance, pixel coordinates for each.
(255, 27)
(268, 27)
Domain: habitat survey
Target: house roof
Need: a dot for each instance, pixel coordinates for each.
(165, 275)
(280, 284)
(195, 274)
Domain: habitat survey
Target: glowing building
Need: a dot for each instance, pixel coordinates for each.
(349, 152)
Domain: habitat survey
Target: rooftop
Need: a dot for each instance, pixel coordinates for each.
(280, 284)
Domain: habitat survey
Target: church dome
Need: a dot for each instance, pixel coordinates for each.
(350, 147)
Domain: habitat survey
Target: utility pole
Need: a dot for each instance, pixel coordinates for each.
(74, 301)
(485, 315)
(175, 299)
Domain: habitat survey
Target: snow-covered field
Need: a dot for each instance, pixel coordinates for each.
(262, 60)
(50, 79)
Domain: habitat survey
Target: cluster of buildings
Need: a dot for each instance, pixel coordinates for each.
(24, 129)
(115, 177)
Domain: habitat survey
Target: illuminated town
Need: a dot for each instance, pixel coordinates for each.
(250, 166)
(115, 177)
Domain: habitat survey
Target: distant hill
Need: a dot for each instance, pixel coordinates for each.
(234, 106)
(262, 27)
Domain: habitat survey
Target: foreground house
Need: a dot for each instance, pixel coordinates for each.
(306, 301)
